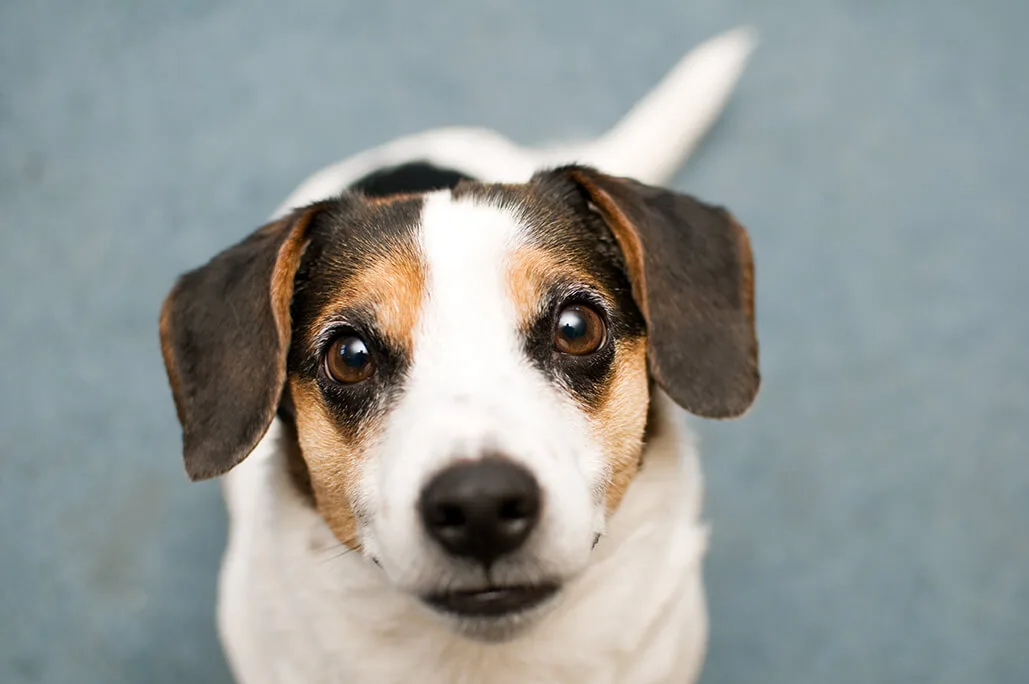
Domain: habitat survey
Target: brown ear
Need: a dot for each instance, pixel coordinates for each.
(225, 332)
(692, 276)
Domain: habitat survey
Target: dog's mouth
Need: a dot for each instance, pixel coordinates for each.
(492, 602)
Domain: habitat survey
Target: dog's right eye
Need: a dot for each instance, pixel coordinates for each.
(348, 360)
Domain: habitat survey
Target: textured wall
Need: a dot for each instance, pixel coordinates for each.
(870, 515)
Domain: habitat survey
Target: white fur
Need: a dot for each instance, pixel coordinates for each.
(296, 606)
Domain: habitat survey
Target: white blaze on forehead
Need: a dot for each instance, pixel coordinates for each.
(468, 328)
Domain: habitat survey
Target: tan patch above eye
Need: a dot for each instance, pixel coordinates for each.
(391, 284)
(380, 200)
(531, 272)
(620, 419)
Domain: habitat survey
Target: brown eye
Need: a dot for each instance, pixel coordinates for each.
(348, 360)
(579, 330)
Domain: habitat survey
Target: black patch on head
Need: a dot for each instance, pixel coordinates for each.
(413, 177)
(561, 222)
(345, 237)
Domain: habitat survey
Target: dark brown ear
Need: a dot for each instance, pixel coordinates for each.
(225, 332)
(692, 276)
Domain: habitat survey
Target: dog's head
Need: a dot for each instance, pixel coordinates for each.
(468, 371)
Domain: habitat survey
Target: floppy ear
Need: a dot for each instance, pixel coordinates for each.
(225, 332)
(692, 276)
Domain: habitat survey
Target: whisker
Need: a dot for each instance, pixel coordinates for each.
(337, 552)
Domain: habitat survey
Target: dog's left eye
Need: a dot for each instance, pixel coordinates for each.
(348, 360)
(579, 330)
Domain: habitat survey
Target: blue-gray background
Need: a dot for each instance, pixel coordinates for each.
(871, 515)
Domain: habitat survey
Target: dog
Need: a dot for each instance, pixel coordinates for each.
(445, 387)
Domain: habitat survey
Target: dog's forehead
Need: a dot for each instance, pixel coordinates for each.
(549, 213)
(475, 250)
(469, 249)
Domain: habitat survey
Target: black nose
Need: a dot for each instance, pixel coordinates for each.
(481, 509)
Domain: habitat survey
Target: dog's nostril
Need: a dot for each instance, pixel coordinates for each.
(514, 509)
(481, 509)
(448, 516)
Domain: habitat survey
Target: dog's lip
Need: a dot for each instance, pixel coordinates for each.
(492, 602)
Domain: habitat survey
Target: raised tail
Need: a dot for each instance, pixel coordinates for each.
(658, 134)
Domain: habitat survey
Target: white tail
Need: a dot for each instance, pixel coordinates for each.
(657, 136)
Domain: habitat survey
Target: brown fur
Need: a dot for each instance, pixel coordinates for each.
(746, 256)
(286, 263)
(620, 420)
(627, 238)
(532, 271)
(389, 199)
(392, 286)
(333, 459)
(164, 328)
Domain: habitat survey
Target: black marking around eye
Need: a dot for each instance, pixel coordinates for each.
(353, 404)
(586, 376)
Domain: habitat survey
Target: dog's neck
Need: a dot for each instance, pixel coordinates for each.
(344, 618)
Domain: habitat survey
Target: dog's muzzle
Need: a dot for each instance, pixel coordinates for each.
(481, 511)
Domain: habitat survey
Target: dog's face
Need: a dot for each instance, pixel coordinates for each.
(468, 372)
